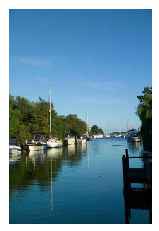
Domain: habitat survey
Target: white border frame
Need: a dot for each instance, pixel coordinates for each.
(4, 95)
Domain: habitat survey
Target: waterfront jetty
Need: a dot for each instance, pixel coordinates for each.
(137, 197)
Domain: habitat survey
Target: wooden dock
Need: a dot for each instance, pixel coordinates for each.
(137, 198)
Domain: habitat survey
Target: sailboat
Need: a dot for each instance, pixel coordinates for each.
(53, 142)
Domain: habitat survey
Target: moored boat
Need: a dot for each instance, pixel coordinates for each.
(14, 149)
(133, 136)
(69, 140)
(98, 136)
(35, 147)
(14, 154)
(107, 136)
(82, 140)
(54, 143)
(135, 139)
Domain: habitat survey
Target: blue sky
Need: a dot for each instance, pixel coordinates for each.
(94, 61)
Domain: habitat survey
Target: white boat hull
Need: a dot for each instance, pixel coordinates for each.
(14, 149)
(54, 144)
(36, 147)
(98, 136)
(14, 153)
(135, 139)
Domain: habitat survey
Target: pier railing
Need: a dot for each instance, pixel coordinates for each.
(137, 198)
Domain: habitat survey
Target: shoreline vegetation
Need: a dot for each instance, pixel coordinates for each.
(144, 111)
(28, 118)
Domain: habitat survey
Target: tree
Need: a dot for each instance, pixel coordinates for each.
(144, 111)
(75, 126)
(96, 130)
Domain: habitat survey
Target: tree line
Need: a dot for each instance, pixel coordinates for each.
(27, 118)
(144, 111)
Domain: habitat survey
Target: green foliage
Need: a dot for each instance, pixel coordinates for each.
(144, 112)
(145, 106)
(96, 130)
(27, 118)
(75, 126)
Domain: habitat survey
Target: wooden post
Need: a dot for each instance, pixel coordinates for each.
(125, 161)
(124, 170)
(127, 158)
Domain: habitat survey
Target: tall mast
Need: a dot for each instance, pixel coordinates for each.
(87, 122)
(50, 110)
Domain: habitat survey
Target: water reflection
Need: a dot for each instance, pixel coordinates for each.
(36, 167)
(54, 153)
(134, 148)
(38, 156)
(14, 157)
(51, 188)
(73, 153)
(57, 187)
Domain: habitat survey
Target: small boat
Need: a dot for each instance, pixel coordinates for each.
(34, 146)
(69, 140)
(98, 136)
(54, 143)
(13, 146)
(14, 149)
(82, 140)
(135, 139)
(107, 136)
(14, 154)
(133, 136)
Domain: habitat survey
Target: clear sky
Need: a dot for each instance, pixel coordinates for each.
(94, 61)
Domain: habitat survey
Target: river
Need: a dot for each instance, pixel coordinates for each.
(74, 185)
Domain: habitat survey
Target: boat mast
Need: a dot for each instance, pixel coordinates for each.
(50, 111)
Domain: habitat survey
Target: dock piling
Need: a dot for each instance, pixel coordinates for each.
(135, 197)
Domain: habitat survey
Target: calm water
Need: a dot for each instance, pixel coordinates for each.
(72, 185)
